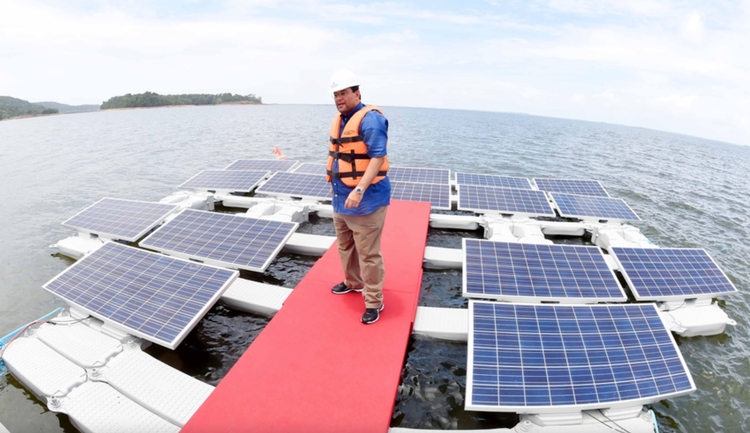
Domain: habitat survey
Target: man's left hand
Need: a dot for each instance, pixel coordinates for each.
(353, 200)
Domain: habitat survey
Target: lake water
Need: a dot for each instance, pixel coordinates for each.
(689, 192)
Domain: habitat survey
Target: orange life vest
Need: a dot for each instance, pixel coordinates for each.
(351, 151)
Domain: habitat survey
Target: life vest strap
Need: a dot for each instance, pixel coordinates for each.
(343, 140)
(354, 174)
(348, 157)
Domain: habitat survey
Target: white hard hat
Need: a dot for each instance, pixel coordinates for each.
(343, 79)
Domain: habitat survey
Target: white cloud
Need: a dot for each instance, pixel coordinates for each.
(676, 100)
(612, 61)
(110, 52)
(692, 26)
(606, 96)
(599, 7)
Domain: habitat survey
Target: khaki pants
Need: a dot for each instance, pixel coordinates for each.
(359, 249)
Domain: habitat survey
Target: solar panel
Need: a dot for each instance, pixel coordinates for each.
(126, 220)
(225, 180)
(146, 294)
(419, 175)
(309, 168)
(515, 272)
(658, 274)
(572, 186)
(297, 185)
(261, 164)
(233, 241)
(439, 196)
(581, 206)
(492, 180)
(551, 358)
(483, 199)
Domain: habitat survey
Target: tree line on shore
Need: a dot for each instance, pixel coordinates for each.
(14, 107)
(151, 99)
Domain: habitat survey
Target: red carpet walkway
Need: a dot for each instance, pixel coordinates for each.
(316, 368)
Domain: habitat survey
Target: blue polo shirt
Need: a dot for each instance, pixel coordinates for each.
(374, 130)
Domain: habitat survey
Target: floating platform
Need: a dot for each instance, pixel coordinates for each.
(315, 367)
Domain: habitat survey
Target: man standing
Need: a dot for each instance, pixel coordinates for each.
(358, 171)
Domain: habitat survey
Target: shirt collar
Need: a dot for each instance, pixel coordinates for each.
(347, 116)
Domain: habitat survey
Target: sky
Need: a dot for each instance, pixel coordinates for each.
(677, 66)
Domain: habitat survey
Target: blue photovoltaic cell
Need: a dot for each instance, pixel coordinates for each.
(126, 220)
(309, 168)
(542, 358)
(419, 175)
(572, 186)
(225, 180)
(146, 294)
(655, 274)
(503, 200)
(580, 206)
(439, 196)
(492, 180)
(222, 239)
(512, 271)
(261, 164)
(297, 185)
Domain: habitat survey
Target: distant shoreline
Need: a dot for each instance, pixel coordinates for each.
(185, 105)
(27, 116)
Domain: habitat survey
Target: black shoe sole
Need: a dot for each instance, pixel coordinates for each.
(348, 291)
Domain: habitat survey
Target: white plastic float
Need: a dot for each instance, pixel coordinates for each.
(100, 377)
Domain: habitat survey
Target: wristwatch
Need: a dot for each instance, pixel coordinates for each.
(359, 190)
